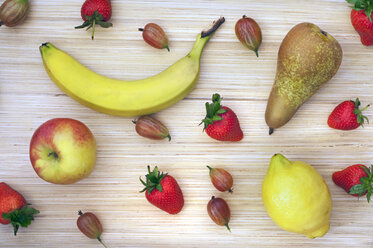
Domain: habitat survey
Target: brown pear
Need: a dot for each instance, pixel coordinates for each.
(308, 58)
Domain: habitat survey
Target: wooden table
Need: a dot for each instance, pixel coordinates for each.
(28, 98)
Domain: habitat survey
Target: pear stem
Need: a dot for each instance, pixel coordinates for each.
(271, 130)
(256, 53)
(209, 167)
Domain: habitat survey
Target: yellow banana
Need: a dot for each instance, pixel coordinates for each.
(125, 98)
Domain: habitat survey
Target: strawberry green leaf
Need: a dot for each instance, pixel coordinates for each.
(216, 118)
(366, 5)
(366, 170)
(369, 195)
(221, 111)
(366, 184)
(359, 112)
(21, 217)
(358, 189)
(159, 187)
(213, 111)
(153, 180)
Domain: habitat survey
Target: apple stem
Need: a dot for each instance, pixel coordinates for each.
(54, 154)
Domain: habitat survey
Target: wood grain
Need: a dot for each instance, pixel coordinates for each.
(28, 98)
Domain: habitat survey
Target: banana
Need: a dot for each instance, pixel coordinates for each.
(125, 98)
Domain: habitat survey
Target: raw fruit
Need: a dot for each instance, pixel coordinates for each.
(296, 197)
(221, 123)
(90, 226)
(125, 98)
(221, 179)
(356, 180)
(347, 116)
(63, 151)
(148, 127)
(361, 19)
(308, 58)
(154, 35)
(162, 191)
(13, 12)
(249, 33)
(14, 209)
(219, 211)
(96, 12)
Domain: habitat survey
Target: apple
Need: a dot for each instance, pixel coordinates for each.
(63, 151)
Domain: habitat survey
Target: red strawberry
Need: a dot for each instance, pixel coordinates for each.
(163, 191)
(221, 123)
(347, 116)
(96, 12)
(355, 180)
(361, 19)
(14, 209)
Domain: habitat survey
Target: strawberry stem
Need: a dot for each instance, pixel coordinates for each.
(93, 28)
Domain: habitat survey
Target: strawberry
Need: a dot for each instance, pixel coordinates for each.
(14, 209)
(347, 116)
(221, 123)
(356, 180)
(96, 12)
(162, 191)
(361, 19)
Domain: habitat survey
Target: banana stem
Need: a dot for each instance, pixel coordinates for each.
(215, 26)
(203, 38)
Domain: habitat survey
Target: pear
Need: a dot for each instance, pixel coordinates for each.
(308, 58)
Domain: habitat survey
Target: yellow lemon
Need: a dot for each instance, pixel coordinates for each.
(296, 197)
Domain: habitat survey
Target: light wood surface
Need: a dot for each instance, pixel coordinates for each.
(28, 98)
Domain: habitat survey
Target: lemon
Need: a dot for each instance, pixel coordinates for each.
(296, 197)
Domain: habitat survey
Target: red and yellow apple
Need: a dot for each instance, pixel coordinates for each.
(63, 151)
